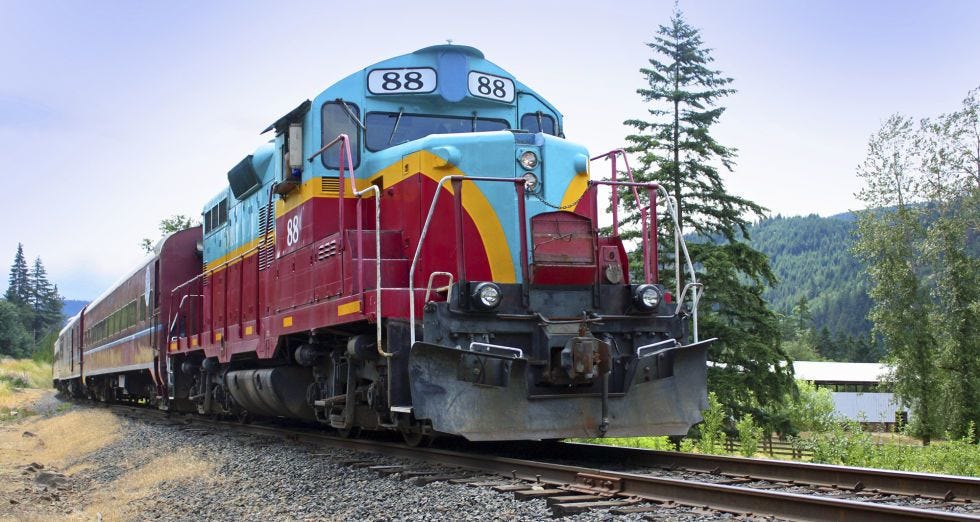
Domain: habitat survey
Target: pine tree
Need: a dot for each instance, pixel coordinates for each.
(44, 301)
(826, 345)
(675, 148)
(18, 289)
(804, 319)
(14, 339)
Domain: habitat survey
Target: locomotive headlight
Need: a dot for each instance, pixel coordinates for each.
(646, 297)
(528, 159)
(487, 295)
(530, 182)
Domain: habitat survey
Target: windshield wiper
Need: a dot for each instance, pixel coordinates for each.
(401, 110)
(540, 128)
(351, 114)
(473, 126)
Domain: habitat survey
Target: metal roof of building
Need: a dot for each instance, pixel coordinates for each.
(818, 371)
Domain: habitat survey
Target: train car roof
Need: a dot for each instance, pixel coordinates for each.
(70, 322)
(138, 268)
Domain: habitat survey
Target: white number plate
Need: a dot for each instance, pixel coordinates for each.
(486, 85)
(399, 81)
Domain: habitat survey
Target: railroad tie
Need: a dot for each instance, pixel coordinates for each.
(529, 494)
(429, 479)
(386, 470)
(507, 488)
(566, 499)
(574, 508)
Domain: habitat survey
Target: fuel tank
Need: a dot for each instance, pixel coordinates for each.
(272, 392)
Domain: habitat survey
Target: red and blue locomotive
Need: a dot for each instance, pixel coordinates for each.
(418, 250)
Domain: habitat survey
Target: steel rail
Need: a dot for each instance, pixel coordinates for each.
(724, 498)
(928, 485)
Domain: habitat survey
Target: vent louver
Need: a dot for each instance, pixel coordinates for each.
(267, 236)
(330, 185)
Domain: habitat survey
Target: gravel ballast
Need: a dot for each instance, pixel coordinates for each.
(256, 477)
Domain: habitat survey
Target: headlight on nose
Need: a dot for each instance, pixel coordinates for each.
(530, 182)
(646, 297)
(487, 295)
(528, 159)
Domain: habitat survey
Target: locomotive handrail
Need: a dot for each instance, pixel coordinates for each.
(518, 353)
(173, 323)
(679, 244)
(519, 185)
(658, 347)
(345, 139)
(649, 255)
(697, 289)
(432, 276)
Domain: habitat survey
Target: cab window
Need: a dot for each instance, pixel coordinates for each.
(337, 121)
(387, 129)
(538, 122)
(216, 216)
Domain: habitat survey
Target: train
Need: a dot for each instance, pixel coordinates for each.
(417, 249)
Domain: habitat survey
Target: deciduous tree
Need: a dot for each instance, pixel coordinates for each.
(168, 226)
(887, 242)
(947, 181)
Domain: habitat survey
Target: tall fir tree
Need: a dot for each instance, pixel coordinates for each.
(18, 289)
(675, 147)
(14, 339)
(44, 301)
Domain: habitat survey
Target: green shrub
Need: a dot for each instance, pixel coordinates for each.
(712, 439)
(687, 445)
(654, 443)
(749, 435)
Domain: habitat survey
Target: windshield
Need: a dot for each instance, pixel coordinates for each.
(387, 129)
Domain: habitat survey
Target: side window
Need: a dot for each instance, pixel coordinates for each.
(216, 216)
(538, 122)
(337, 121)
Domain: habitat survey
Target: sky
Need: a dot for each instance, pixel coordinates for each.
(116, 114)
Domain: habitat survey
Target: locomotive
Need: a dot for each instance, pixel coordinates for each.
(416, 249)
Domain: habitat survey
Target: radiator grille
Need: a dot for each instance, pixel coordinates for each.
(330, 185)
(326, 250)
(267, 236)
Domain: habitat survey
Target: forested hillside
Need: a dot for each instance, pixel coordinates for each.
(812, 257)
(72, 307)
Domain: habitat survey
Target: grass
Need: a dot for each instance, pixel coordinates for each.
(73, 434)
(23, 373)
(654, 443)
(846, 444)
(17, 375)
(123, 499)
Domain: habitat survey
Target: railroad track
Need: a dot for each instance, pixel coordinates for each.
(945, 488)
(570, 489)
